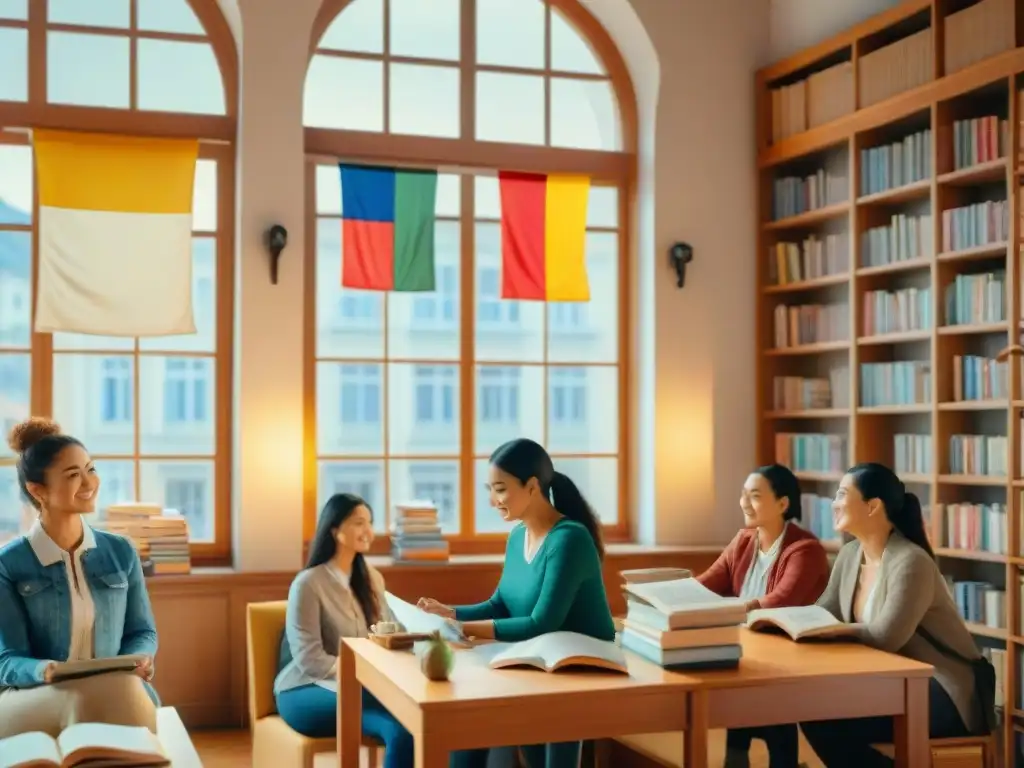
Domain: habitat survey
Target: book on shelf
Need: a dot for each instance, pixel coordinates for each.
(416, 534)
(554, 651)
(811, 452)
(810, 324)
(912, 454)
(980, 378)
(979, 602)
(978, 455)
(819, 517)
(795, 195)
(800, 393)
(799, 622)
(789, 110)
(969, 527)
(71, 670)
(905, 382)
(161, 536)
(895, 165)
(898, 311)
(978, 32)
(84, 744)
(650, 575)
(976, 299)
(906, 237)
(894, 68)
(812, 258)
(978, 140)
(976, 225)
(829, 94)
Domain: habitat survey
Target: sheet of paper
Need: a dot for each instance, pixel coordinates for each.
(416, 620)
(27, 747)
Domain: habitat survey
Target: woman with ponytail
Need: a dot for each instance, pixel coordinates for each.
(886, 586)
(338, 594)
(552, 577)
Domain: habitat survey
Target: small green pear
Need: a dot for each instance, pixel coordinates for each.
(436, 658)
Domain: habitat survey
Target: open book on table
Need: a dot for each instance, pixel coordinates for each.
(800, 622)
(556, 650)
(95, 745)
(686, 603)
(70, 670)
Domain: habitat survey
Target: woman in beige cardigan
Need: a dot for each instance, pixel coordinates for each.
(887, 586)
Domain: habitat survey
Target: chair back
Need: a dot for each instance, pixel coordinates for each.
(264, 625)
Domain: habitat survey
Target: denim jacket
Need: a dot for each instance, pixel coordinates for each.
(35, 604)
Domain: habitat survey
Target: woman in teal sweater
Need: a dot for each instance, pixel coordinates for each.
(551, 580)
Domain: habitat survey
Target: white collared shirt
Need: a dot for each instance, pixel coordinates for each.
(755, 584)
(83, 610)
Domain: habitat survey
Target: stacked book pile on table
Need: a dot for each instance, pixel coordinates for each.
(160, 536)
(416, 534)
(680, 624)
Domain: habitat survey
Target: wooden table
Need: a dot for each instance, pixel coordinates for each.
(480, 707)
(175, 739)
(781, 682)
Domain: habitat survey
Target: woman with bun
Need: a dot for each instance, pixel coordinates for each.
(69, 593)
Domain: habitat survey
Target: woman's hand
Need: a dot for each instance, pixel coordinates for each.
(48, 672)
(144, 668)
(430, 605)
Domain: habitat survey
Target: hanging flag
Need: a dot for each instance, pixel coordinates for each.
(387, 228)
(543, 237)
(115, 234)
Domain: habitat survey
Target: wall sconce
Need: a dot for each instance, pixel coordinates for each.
(680, 254)
(275, 238)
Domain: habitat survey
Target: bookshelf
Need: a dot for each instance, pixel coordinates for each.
(890, 281)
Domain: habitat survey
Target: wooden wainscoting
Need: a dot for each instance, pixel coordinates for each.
(201, 619)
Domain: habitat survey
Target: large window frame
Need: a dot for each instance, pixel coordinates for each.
(217, 133)
(468, 156)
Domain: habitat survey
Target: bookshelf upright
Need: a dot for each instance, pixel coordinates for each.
(890, 289)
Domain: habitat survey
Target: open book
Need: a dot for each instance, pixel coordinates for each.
(93, 744)
(556, 650)
(649, 575)
(71, 669)
(683, 603)
(800, 622)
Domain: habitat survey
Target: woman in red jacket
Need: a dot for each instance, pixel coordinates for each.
(771, 563)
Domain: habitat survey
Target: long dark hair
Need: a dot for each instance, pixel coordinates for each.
(785, 486)
(524, 459)
(325, 544)
(903, 508)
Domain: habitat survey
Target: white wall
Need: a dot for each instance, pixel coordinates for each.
(798, 24)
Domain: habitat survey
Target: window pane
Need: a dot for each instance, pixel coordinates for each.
(328, 191)
(423, 410)
(176, 76)
(603, 207)
(505, 330)
(204, 197)
(510, 108)
(425, 30)
(448, 194)
(117, 484)
(428, 480)
(488, 197)
(177, 406)
(204, 305)
(168, 16)
(486, 519)
(509, 404)
(598, 481)
(15, 184)
(94, 13)
(349, 323)
(570, 51)
(363, 478)
(94, 400)
(87, 70)
(13, 9)
(186, 486)
(15, 289)
(16, 516)
(583, 409)
(510, 33)
(15, 393)
(14, 64)
(588, 332)
(344, 93)
(426, 325)
(350, 409)
(584, 114)
(424, 100)
(359, 27)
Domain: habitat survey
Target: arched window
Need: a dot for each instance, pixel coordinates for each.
(154, 413)
(409, 393)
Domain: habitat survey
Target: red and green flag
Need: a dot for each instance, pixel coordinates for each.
(387, 228)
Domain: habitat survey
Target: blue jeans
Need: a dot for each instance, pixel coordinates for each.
(564, 754)
(313, 712)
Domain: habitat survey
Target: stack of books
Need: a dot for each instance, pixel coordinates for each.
(416, 534)
(681, 624)
(160, 536)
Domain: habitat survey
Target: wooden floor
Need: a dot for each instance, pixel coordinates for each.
(231, 749)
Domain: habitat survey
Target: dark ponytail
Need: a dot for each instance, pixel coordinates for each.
(903, 508)
(567, 499)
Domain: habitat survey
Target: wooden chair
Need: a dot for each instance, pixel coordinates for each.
(274, 743)
(967, 752)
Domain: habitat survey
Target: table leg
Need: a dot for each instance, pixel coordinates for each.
(910, 730)
(350, 709)
(695, 739)
(429, 753)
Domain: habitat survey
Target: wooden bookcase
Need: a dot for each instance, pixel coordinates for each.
(902, 345)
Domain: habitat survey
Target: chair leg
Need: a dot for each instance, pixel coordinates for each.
(374, 757)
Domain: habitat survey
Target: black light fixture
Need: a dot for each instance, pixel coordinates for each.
(680, 254)
(275, 238)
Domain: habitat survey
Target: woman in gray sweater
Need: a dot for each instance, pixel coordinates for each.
(887, 585)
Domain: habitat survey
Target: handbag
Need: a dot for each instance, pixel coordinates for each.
(984, 681)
